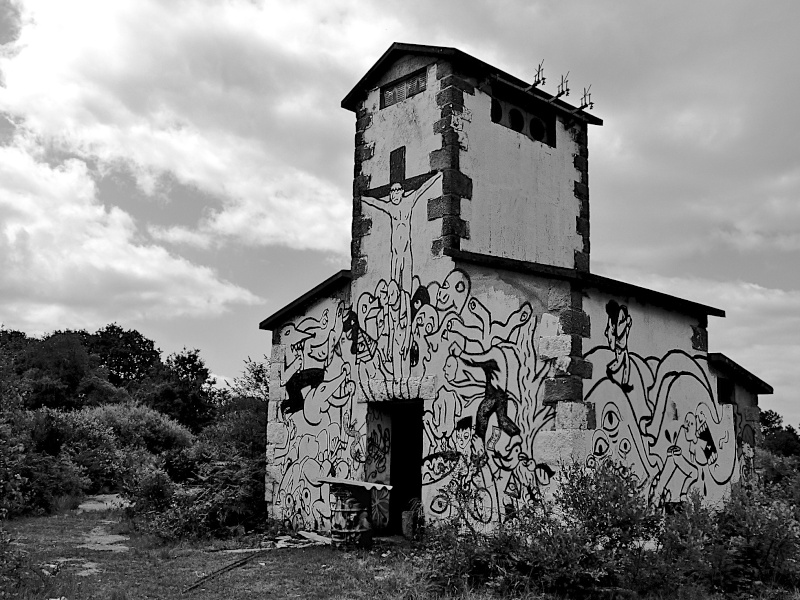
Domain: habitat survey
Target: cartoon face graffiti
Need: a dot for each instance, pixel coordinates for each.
(699, 436)
(453, 293)
(617, 330)
(396, 193)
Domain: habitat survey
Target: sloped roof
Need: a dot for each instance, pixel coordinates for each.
(738, 373)
(469, 64)
(586, 280)
(333, 282)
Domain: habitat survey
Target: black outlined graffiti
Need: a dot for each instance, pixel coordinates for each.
(659, 416)
(398, 205)
(617, 330)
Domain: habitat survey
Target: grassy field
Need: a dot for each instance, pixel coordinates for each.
(148, 571)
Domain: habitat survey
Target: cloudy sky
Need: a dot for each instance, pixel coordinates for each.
(184, 168)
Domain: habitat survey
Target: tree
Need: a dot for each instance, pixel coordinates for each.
(253, 382)
(126, 354)
(779, 439)
(54, 368)
(182, 388)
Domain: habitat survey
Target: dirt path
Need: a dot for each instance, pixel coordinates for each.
(91, 554)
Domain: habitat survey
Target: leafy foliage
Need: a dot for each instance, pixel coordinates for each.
(127, 355)
(597, 534)
(138, 426)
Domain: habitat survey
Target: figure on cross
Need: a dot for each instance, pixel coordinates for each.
(399, 205)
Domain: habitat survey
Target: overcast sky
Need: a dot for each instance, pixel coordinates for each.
(184, 168)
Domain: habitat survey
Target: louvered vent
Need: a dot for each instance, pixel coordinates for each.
(397, 91)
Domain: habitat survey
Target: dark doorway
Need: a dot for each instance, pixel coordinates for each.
(405, 474)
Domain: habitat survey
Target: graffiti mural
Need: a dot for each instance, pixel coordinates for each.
(659, 416)
(478, 428)
(484, 411)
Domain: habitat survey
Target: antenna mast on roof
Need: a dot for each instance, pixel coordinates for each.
(563, 88)
(539, 80)
(586, 100)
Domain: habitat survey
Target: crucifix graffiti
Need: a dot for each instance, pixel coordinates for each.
(397, 200)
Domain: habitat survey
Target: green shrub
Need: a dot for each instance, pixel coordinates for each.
(32, 464)
(150, 490)
(138, 426)
(17, 574)
(229, 500)
(12, 460)
(598, 534)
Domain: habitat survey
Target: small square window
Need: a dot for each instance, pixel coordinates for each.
(397, 91)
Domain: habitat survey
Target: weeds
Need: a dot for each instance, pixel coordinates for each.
(599, 536)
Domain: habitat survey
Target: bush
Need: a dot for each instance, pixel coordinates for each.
(33, 466)
(229, 501)
(12, 462)
(138, 426)
(17, 574)
(150, 490)
(598, 533)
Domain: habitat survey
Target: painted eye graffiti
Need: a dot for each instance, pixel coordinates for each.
(600, 447)
(544, 474)
(624, 447)
(460, 287)
(610, 422)
(439, 504)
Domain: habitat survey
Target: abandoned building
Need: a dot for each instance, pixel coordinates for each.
(470, 349)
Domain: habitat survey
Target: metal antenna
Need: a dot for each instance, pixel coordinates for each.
(539, 79)
(586, 99)
(563, 88)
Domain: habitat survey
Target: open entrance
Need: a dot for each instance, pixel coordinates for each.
(404, 419)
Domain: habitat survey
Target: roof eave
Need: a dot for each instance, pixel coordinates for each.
(585, 280)
(748, 380)
(332, 282)
(364, 85)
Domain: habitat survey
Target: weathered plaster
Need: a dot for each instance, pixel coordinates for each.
(523, 204)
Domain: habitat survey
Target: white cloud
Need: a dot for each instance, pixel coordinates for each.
(759, 332)
(68, 261)
(234, 98)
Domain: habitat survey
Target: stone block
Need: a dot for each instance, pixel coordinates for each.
(443, 205)
(582, 261)
(699, 338)
(364, 152)
(581, 162)
(751, 414)
(441, 125)
(457, 82)
(561, 447)
(360, 185)
(572, 415)
(582, 226)
(363, 123)
(277, 433)
(574, 321)
(453, 225)
(581, 190)
(556, 346)
(572, 365)
(456, 183)
(359, 267)
(443, 69)
(450, 95)
(563, 389)
(559, 297)
(361, 227)
(448, 157)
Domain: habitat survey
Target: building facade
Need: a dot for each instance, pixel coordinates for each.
(469, 351)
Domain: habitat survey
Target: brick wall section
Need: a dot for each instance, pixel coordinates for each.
(455, 185)
(581, 189)
(361, 224)
(564, 388)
